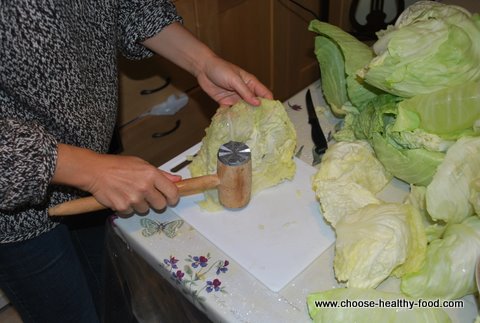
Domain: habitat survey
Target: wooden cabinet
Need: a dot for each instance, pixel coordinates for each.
(295, 65)
(158, 139)
(268, 38)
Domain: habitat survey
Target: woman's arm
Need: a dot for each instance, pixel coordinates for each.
(27, 162)
(223, 81)
(122, 183)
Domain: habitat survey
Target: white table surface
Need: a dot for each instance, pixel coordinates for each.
(224, 290)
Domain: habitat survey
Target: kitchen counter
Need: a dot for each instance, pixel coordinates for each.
(216, 287)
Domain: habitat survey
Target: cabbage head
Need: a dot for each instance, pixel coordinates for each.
(266, 129)
(369, 314)
(449, 269)
(377, 241)
(451, 195)
(342, 184)
(432, 46)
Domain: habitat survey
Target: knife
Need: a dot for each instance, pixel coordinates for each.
(319, 140)
(182, 165)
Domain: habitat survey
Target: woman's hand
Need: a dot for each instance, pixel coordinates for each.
(124, 184)
(227, 83)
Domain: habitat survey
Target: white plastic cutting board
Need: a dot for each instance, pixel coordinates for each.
(275, 237)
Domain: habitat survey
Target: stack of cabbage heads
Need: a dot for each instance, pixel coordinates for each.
(268, 132)
(414, 96)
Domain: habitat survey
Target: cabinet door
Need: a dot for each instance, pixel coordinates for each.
(268, 38)
(339, 14)
(295, 65)
(240, 32)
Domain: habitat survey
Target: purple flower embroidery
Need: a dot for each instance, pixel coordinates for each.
(222, 267)
(178, 275)
(171, 262)
(213, 285)
(199, 261)
(197, 272)
(295, 107)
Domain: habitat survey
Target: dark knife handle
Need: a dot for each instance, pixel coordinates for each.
(320, 140)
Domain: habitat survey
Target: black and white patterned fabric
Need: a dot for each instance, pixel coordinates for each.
(58, 84)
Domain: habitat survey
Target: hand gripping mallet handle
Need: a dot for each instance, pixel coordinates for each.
(233, 182)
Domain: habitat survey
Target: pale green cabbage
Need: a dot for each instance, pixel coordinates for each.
(341, 183)
(431, 47)
(450, 113)
(416, 197)
(450, 196)
(475, 195)
(266, 129)
(400, 314)
(377, 241)
(449, 269)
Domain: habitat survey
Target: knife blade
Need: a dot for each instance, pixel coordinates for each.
(182, 165)
(318, 137)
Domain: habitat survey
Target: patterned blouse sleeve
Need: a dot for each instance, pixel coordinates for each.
(28, 157)
(141, 19)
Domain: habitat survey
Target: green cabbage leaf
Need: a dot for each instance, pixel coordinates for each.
(414, 166)
(449, 269)
(340, 55)
(416, 197)
(450, 113)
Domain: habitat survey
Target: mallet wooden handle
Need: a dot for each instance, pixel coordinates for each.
(185, 187)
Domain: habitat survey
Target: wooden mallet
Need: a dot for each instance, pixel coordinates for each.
(233, 182)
